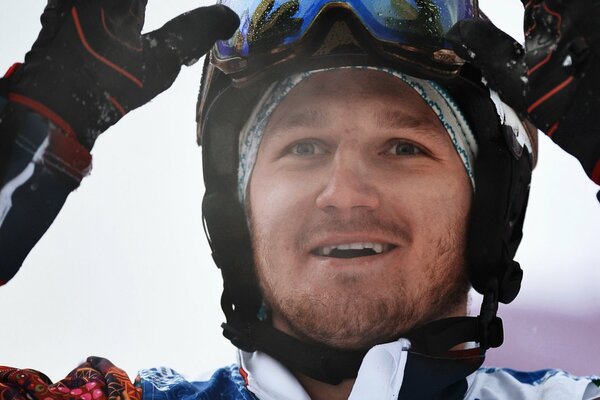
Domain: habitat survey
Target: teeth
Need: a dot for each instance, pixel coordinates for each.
(377, 247)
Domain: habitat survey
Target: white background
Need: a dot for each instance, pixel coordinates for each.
(125, 271)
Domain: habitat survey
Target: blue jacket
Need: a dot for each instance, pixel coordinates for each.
(486, 384)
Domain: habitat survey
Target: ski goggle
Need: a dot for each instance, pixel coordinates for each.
(269, 27)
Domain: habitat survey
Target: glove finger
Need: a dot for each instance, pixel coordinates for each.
(52, 19)
(134, 7)
(137, 9)
(496, 54)
(189, 36)
(126, 17)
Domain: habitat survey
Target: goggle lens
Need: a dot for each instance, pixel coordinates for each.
(270, 25)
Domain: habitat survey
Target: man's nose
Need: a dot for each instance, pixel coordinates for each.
(349, 186)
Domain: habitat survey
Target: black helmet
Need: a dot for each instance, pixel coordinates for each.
(279, 37)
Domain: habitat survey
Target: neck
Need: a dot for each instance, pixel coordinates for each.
(318, 390)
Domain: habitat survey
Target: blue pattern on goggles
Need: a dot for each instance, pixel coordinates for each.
(268, 26)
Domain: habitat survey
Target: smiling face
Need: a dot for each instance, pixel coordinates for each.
(358, 208)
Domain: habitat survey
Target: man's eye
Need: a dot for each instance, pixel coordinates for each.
(306, 149)
(404, 149)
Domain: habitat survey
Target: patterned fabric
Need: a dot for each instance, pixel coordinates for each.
(166, 384)
(95, 379)
(433, 94)
(485, 384)
(549, 384)
(99, 379)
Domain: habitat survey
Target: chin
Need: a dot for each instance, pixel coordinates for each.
(342, 321)
(360, 318)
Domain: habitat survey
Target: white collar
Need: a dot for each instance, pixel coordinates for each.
(379, 377)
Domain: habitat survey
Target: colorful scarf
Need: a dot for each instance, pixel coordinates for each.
(95, 379)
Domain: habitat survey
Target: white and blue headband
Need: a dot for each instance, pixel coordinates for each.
(433, 94)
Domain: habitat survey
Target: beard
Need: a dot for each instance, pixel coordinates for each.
(348, 313)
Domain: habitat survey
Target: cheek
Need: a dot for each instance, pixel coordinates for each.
(275, 202)
(435, 205)
(280, 208)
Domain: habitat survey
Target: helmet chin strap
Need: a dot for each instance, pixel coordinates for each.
(433, 341)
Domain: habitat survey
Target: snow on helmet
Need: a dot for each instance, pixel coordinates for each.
(280, 37)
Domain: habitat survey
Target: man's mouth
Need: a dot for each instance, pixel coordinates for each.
(353, 250)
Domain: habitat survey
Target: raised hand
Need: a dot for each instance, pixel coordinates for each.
(91, 65)
(554, 80)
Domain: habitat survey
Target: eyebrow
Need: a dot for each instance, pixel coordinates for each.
(313, 118)
(305, 118)
(396, 119)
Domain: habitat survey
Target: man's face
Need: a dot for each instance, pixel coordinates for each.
(358, 206)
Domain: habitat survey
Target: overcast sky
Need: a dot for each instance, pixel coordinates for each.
(125, 271)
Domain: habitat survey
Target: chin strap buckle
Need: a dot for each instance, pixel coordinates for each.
(491, 332)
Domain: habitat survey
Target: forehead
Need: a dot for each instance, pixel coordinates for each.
(318, 99)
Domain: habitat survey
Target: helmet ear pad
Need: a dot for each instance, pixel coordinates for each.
(502, 178)
(232, 253)
(225, 217)
(496, 219)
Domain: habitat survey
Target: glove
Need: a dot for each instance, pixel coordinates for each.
(555, 79)
(90, 65)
